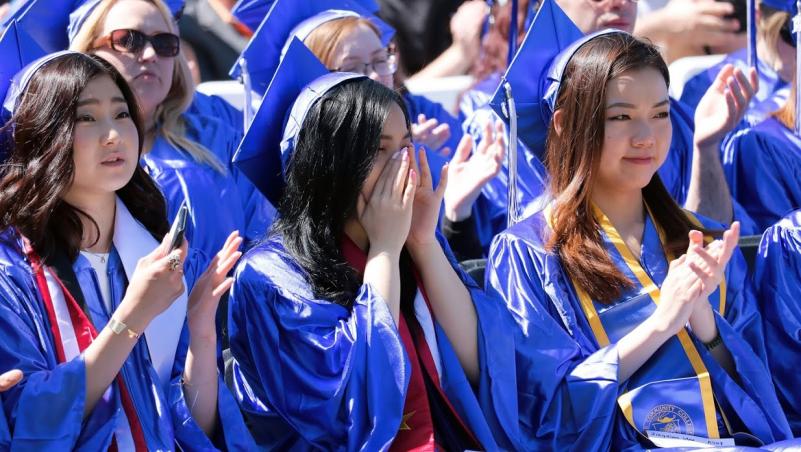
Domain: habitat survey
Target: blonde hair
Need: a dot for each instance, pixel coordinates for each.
(325, 39)
(770, 24)
(169, 114)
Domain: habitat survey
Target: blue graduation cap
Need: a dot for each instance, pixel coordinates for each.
(788, 6)
(527, 93)
(267, 145)
(84, 8)
(287, 19)
(252, 12)
(528, 77)
(18, 50)
(45, 21)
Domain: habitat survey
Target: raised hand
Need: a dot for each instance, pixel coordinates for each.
(468, 173)
(710, 265)
(386, 216)
(212, 284)
(723, 105)
(430, 133)
(427, 202)
(156, 282)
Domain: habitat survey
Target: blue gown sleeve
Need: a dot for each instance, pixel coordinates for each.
(495, 392)
(567, 394)
(741, 330)
(45, 410)
(761, 176)
(778, 281)
(231, 432)
(311, 373)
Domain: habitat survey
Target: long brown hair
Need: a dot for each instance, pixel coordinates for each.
(573, 156)
(40, 168)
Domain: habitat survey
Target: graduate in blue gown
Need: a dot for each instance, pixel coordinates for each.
(631, 332)
(551, 32)
(192, 138)
(762, 164)
(347, 37)
(114, 333)
(776, 277)
(352, 327)
(774, 62)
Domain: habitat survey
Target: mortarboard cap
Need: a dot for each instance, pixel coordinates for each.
(18, 50)
(529, 76)
(299, 80)
(788, 6)
(292, 18)
(46, 21)
(85, 8)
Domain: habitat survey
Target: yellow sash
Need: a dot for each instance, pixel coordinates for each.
(587, 305)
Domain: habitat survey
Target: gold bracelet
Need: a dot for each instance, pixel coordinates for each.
(118, 327)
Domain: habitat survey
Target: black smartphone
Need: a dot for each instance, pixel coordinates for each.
(178, 228)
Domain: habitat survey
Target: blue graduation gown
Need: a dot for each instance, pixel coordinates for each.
(762, 166)
(764, 102)
(568, 385)
(218, 203)
(311, 374)
(45, 410)
(777, 277)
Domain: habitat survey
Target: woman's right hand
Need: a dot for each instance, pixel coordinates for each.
(154, 286)
(387, 215)
(679, 292)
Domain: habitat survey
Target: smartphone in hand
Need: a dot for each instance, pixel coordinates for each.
(178, 228)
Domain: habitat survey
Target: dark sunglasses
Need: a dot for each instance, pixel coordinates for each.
(786, 32)
(166, 45)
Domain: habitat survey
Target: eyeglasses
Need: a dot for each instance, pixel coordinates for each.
(166, 45)
(385, 65)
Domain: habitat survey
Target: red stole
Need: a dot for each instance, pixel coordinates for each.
(78, 326)
(416, 432)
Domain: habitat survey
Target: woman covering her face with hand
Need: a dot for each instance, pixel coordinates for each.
(115, 348)
(627, 319)
(352, 326)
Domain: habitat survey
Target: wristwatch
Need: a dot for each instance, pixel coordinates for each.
(118, 327)
(714, 342)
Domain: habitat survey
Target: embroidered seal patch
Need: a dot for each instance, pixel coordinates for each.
(669, 418)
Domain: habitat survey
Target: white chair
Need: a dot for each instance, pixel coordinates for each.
(443, 90)
(683, 69)
(230, 90)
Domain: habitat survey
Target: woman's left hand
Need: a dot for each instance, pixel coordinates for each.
(208, 289)
(430, 132)
(710, 264)
(724, 105)
(427, 203)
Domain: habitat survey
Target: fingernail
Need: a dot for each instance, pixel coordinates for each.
(397, 154)
(405, 155)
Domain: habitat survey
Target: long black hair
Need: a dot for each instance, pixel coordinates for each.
(40, 168)
(335, 151)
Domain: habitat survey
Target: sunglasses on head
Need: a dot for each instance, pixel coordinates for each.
(165, 45)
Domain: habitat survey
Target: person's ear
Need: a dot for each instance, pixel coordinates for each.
(558, 117)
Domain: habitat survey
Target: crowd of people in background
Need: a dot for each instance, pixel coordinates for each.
(238, 225)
